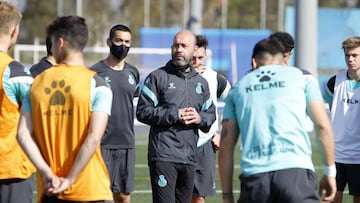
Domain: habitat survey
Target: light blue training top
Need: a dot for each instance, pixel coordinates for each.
(270, 105)
(16, 81)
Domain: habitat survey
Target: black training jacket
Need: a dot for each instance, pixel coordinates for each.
(166, 90)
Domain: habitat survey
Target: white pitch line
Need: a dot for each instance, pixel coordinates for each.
(217, 192)
(236, 166)
(149, 191)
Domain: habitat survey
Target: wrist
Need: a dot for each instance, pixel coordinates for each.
(330, 170)
(227, 195)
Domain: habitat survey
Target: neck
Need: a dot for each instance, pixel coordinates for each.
(74, 58)
(4, 45)
(354, 74)
(51, 59)
(200, 69)
(184, 69)
(114, 63)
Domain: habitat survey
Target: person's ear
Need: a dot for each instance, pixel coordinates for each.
(286, 58)
(196, 48)
(14, 32)
(61, 42)
(108, 42)
(253, 63)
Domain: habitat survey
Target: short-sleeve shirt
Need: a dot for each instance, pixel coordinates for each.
(269, 105)
(38, 68)
(61, 100)
(125, 86)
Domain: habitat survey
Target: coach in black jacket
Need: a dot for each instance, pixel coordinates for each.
(175, 101)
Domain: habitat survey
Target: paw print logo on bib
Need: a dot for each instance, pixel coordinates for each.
(57, 92)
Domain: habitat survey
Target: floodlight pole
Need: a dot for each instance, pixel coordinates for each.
(195, 20)
(60, 7)
(146, 13)
(281, 10)
(262, 14)
(306, 35)
(79, 7)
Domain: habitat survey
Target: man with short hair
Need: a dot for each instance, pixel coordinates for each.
(118, 143)
(204, 184)
(66, 112)
(287, 41)
(16, 180)
(343, 95)
(175, 101)
(46, 62)
(267, 108)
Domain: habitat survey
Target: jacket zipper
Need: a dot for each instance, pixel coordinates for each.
(186, 93)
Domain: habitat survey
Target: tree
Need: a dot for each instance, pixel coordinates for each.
(37, 15)
(100, 17)
(102, 14)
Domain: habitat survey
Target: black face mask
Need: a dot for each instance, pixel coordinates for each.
(119, 52)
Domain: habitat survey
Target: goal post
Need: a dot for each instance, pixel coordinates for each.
(145, 59)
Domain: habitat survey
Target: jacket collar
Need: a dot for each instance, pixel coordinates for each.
(174, 70)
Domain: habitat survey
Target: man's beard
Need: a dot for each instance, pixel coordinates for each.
(180, 66)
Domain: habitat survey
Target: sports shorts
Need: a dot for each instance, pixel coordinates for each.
(204, 182)
(120, 164)
(171, 182)
(17, 190)
(348, 174)
(289, 185)
(53, 199)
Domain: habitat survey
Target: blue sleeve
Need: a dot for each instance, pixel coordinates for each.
(328, 96)
(312, 89)
(229, 109)
(329, 90)
(101, 96)
(16, 81)
(26, 105)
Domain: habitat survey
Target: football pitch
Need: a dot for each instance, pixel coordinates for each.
(142, 193)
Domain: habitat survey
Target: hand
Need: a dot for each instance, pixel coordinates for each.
(189, 116)
(65, 184)
(216, 141)
(181, 114)
(328, 184)
(52, 182)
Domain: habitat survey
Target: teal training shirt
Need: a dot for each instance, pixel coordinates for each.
(269, 105)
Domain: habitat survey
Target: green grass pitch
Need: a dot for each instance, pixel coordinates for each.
(142, 191)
